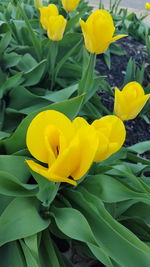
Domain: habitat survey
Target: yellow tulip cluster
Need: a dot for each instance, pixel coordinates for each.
(98, 30)
(70, 147)
(52, 22)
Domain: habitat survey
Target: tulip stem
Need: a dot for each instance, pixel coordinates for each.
(53, 52)
(85, 85)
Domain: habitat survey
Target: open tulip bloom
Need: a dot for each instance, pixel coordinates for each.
(98, 32)
(130, 101)
(70, 147)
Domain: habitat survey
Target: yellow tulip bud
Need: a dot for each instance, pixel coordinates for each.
(67, 149)
(38, 3)
(46, 12)
(98, 32)
(147, 6)
(56, 27)
(130, 101)
(111, 133)
(70, 5)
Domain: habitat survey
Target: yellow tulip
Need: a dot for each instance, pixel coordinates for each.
(130, 101)
(98, 31)
(46, 12)
(147, 6)
(56, 27)
(68, 148)
(70, 5)
(111, 132)
(38, 3)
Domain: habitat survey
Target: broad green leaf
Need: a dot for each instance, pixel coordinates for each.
(72, 223)
(33, 76)
(11, 60)
(27, 63)
(11, 186)
(15, 165)
(111, 190)
(47, 189)
(114, 238)
(15, 221)
(12, 82)
(140, 148)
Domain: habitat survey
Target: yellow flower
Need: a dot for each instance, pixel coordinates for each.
(70, 5)
(38, 3)
(147, 6)
(111, 135)
(46, 12)
(130, 101)
(56, 27)
(98, 32)
(68, 148)
(111, 132)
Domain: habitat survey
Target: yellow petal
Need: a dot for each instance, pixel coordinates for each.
(46, 12)
(115, 38)
(78, 123)
(133, 89)
(46, 173)
(56, 27)
(102, 152)
(137, 107)
(67, 161)
(121, 105)
(88, 145)
(112, 133)
(89, 38)
(36, 132)
(70, 5)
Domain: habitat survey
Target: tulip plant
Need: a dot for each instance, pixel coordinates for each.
(65, 174)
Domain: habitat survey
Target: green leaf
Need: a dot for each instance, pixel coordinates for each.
(47, 251)
(15, 221)
(112, 190)
(11, 186)
(140, 148)
(11, 255)
(5, 42)
(72, 223)
(12, 82)
(30, 260)
(15, 165)
(27, 63)
(114, 238)
(70, 108)
(33, 76)
(47, 189)
(11, 59)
